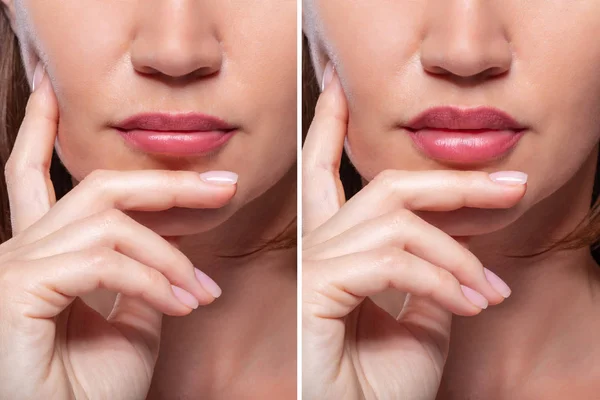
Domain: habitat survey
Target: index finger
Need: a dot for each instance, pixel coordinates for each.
(27, 171)
(323, 192)
(430, 190)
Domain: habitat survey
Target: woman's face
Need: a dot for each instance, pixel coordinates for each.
(109, 60)
(535, 60)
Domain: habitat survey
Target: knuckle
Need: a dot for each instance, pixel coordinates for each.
(113, 217)
(387, 179)
(402, 218)
(112, 225)
(443, 280)
(466, 261)
(466, 179)
(97, 257)
(179, 178)
(389, 258)
(97, 177)
(153, 277)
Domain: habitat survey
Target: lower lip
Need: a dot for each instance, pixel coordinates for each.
(176, 143)
(462, 147)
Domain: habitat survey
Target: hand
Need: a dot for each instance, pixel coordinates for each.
(52, 345)
(352, 349)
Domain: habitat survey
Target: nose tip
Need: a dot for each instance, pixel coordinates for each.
(174, 41)
(176, 58)
(467, 60)
(466, 41)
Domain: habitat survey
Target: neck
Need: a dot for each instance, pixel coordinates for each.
(268, 219)
(553, 297)
(255, 318)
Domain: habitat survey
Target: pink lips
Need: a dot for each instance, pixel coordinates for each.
(468, 136)
(175, 134)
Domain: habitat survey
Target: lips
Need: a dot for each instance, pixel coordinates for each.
(465, 136)
(191, 134)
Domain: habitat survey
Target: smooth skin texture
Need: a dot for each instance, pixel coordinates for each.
(63, 250)
(131, 57)
(372, 243)
(137, 224)
(535, 60)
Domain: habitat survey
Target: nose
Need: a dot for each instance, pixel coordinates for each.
(175, 38)
(465, 39)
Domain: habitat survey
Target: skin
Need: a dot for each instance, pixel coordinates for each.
(526, 58)
(193, 60)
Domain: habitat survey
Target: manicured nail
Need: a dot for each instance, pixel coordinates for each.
(220, 177)
(327, 75)
(208, 284)
(498, 284)
(38, 75)
(509, 177)
(185, 297)
(474, 297)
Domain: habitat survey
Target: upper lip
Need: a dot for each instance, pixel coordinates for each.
(473, 119)
(188, 122)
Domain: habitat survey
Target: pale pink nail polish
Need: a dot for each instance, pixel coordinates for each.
(208, 284)
(509, 177)
(220, 177)
(474, 297)
(327, 75)
(185, 297)
(498, 284)
(38, 75)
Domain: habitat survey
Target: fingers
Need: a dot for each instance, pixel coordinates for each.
(421, 190)
(30, 190)
(115, 230)
(333, 288)
(43, 288)
(323, 193)
(146, 190)
(405, 230)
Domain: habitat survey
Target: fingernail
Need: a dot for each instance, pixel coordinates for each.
(498, 284)
(474, 297)
(185, 297)
(509, 177)
(327, 75)
(208, 284)
(220, 177)
(38, 75)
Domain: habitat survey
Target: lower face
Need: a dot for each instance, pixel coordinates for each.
(110, 60)
(536, 61)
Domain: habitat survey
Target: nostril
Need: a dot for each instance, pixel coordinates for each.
(177, 56)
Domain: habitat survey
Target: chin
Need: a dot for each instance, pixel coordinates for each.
(182, 221)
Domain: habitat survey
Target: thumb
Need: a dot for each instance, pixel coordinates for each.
(140, 323)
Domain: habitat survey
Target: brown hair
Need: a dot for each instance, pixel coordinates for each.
(14, 93)
(586, 234)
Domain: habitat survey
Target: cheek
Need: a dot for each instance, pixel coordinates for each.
(266, 74)
(81, 153)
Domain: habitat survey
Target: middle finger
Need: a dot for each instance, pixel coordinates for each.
(407, 231)
(117, 231)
